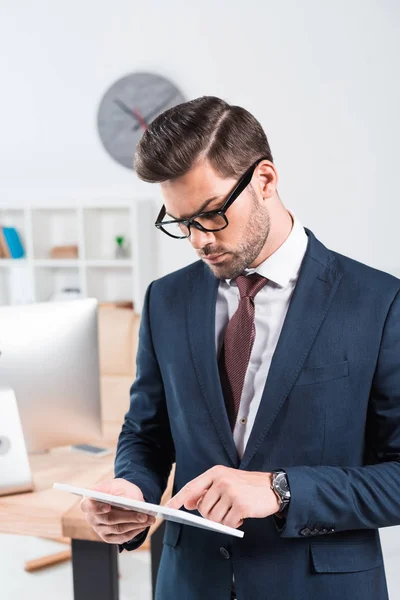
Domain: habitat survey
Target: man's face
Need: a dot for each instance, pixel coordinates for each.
(228, 252)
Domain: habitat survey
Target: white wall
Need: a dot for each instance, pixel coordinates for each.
(322, 77)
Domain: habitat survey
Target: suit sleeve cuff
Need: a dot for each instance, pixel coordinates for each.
(135, 543)
(302, 491)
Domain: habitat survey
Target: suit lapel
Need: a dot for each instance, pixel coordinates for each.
(202, 297)
(317, 283)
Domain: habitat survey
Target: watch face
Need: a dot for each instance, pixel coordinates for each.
(128, 107)
(282, 485)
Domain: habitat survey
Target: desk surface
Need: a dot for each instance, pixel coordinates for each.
(50, 513)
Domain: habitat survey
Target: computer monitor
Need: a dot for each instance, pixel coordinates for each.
(49, 356)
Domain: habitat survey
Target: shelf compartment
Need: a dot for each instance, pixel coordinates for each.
(101, 226)
(4, 287)
(16, 283)
(52, 280)
(53, 228)
(109, 284)
(14, 218)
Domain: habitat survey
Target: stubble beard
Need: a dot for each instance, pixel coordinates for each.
(255, 235)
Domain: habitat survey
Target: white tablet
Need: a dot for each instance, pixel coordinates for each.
(156, 510)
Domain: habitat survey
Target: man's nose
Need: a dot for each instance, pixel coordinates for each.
(199, 238)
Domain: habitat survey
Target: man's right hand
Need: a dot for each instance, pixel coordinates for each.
(116, 525)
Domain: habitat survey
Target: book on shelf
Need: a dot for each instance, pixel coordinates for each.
(4, 250)
(10, 243)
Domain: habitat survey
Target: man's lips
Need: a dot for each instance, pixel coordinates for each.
(214, 258)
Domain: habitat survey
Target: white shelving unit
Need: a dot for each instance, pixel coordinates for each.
(96, 272)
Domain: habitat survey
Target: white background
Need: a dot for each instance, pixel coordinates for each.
(322, 78)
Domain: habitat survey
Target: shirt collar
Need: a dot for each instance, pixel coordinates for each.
(284, 264)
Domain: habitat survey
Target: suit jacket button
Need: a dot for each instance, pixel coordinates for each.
(314, 532)
(323, 531)
(305, 531)
(224, 552)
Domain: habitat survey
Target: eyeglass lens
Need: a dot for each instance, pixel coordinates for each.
(209, 222)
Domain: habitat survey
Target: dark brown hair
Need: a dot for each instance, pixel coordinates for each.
(207, 127)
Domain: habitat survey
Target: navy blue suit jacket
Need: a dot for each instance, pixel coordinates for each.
(329, 416)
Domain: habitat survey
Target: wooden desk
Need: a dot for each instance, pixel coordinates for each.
(50, 513)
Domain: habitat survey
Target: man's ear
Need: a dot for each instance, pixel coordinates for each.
(267, 179)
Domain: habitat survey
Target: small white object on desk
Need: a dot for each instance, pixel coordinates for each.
(90, 449)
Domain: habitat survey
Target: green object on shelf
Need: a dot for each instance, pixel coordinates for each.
(120, 250)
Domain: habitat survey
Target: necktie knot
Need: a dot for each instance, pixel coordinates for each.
(250, 285)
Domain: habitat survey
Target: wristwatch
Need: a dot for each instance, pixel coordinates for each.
(281, 488)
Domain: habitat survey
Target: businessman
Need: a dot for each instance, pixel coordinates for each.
(268, 371)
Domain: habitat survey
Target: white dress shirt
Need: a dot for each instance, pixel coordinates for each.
(271, 305)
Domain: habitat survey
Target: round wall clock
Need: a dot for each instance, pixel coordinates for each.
(128, 107)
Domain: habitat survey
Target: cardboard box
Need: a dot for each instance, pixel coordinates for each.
(64, 252)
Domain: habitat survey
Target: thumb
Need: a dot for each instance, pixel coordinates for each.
(119, 487)
(104, 486)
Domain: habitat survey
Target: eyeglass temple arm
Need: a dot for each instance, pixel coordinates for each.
(241, 184)
(161, 215)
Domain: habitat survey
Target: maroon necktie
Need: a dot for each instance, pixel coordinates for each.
(238, 343)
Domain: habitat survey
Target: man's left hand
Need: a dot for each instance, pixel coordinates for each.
(229, 496)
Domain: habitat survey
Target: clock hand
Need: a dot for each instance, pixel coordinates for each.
(126, 109)
(140, 118)
(156, 110)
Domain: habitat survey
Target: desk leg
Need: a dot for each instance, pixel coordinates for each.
(95, 570)
(156, 546)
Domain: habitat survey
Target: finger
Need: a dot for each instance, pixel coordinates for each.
(208, 501)
(120, 528)
(93, 506)
(122, 538)
(118, 517)
(191, 493)
(233, 519)
(220, 511)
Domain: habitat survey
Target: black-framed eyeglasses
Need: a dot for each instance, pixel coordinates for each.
(212, 220)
